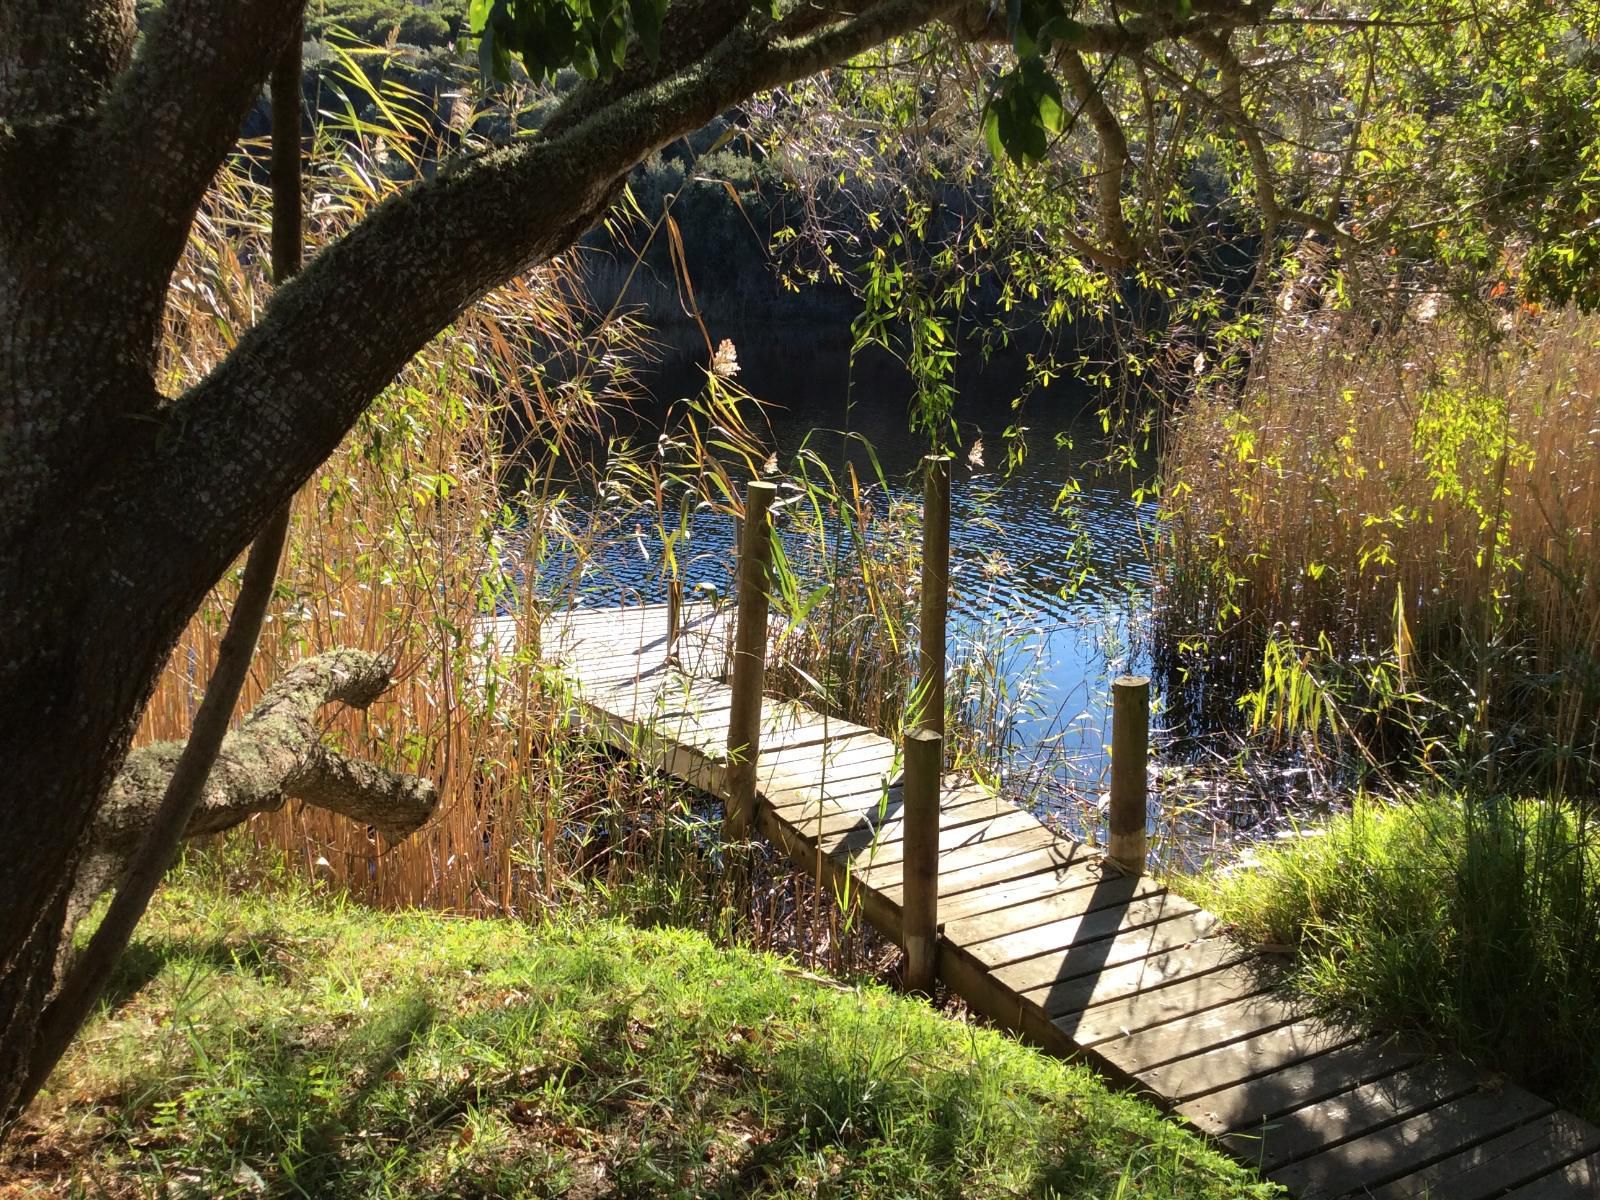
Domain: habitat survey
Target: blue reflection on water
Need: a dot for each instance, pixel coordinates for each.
(1058, 592)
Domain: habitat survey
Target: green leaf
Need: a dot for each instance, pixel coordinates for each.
(647, 18)
(991, 129)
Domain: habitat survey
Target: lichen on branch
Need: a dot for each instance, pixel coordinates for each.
(275, 755)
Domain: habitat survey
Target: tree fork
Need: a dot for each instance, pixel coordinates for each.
(274, 756)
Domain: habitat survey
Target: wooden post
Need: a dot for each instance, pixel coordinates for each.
(674, 616)
(749, 662)
(919, 903)
(935, 590)
(1130, 764)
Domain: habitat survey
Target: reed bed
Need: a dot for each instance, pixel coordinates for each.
(1395, 542)
(429, 537)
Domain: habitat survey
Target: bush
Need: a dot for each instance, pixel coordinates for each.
(425, 25)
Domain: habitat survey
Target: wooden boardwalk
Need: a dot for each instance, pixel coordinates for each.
(1039, 935)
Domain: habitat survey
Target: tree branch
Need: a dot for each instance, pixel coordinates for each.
(57, 56)
(274, 756)
(164, 129)
(242, 440)
(1120, 248)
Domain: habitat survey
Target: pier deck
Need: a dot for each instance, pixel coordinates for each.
(1040, 935)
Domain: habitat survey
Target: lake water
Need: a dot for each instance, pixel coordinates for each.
(1065, 590)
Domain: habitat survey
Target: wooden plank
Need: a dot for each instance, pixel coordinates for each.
(613, 671)
(879, 831)
(1293, 1085)
(661, 706)
(710, 730)
(840, 737)
(1360, 1110)
(786, 716)
(1084, 871)
(1579, 1180)
(1158, 1005)
(1398, 1149)
(956, 884)
(1139, 1053)
(799, 768)
(889, 851)
(1177, 1082)
(974, 865)
(1093, 892)
(778, 783)
(1063, 999)
(881, 843)
(859, 801)
(1105, 914)
(1490, 1168)
(1049, 971)
(837, 829)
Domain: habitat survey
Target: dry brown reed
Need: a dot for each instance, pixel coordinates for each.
(394, 548)
(451, 496)
(1416, 515)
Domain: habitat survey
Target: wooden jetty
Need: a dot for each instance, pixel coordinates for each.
(1086, 957)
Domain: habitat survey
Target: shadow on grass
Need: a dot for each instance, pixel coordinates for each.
(144, 960)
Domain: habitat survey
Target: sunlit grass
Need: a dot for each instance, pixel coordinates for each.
(1473, 925)
(286, 1044)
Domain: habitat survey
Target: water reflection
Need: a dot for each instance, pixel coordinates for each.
(1051, 566)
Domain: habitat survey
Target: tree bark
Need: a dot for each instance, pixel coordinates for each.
(276, 755)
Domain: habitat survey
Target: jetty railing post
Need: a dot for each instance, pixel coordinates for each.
(919, 900)
(674, 616)
(749, 661)
(935, 600)
(1130, 764)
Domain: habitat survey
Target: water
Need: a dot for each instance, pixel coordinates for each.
(1059, 582)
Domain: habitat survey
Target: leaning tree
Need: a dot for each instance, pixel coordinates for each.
(120, 506)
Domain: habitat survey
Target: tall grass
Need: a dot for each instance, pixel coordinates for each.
(1405, 530)
(1474, 925)
(846, 568)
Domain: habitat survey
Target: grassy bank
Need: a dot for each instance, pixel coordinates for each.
(1473, 925)
(290, 1045)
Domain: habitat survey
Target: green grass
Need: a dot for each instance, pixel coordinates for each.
(1475, 926)
(287, 1045)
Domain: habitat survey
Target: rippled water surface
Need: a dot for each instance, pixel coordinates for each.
(1059, 593)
